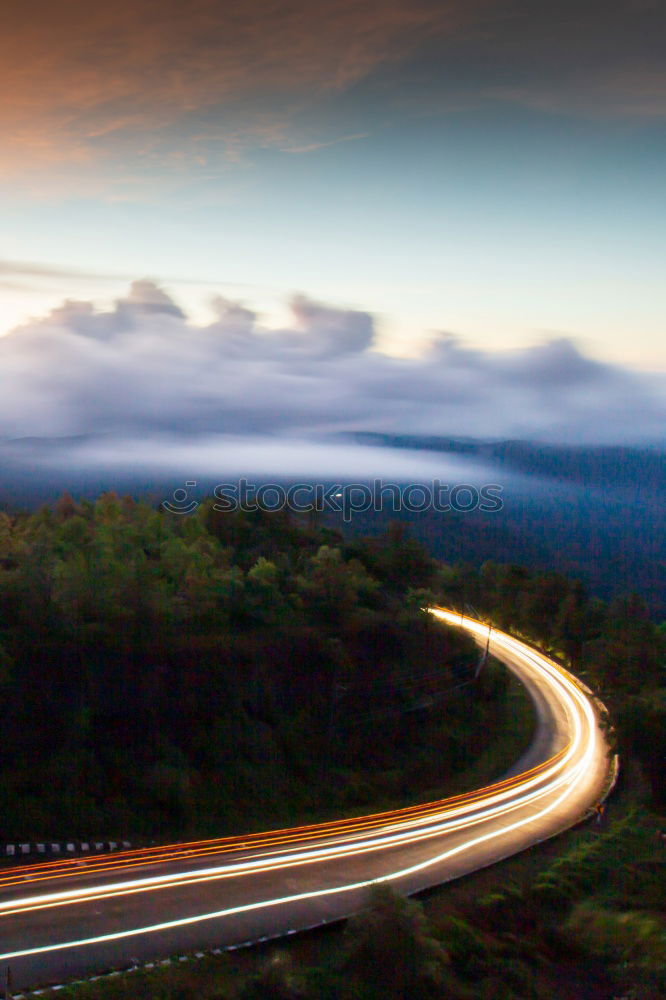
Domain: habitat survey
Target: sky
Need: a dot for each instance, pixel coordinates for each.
(284, 217)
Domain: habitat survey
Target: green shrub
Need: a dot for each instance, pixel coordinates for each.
(467, 949)
(391, 952)
(276, 981)
(636, 938)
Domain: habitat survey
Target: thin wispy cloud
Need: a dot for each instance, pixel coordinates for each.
(33, 273)
(84, 76)
(184, 84)
(313, 147)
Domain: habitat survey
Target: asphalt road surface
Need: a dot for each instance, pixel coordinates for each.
(68, 919)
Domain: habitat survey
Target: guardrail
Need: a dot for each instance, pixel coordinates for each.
(59, 848)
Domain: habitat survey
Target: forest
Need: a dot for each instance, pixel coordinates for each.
(167, 676)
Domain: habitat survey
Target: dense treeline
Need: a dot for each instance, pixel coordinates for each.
(164, 675)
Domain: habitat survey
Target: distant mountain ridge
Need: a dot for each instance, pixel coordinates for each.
(590, 464)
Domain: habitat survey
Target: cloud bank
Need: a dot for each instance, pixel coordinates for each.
(142, 369)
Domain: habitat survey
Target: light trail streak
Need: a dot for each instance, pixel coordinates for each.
(346, 850)
(316, 854)
(415, 815)
(85, 867)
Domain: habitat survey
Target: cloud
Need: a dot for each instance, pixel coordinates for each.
(630, 93)
(80, 78)
(162, 87)
(238, 455)
(313, 147)
(36, 275)
(583, 59)
(142, 368)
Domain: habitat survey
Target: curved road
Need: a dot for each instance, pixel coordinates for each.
(66, 919)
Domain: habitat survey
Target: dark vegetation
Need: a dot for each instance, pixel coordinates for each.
(173, 671)
(164, 676)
